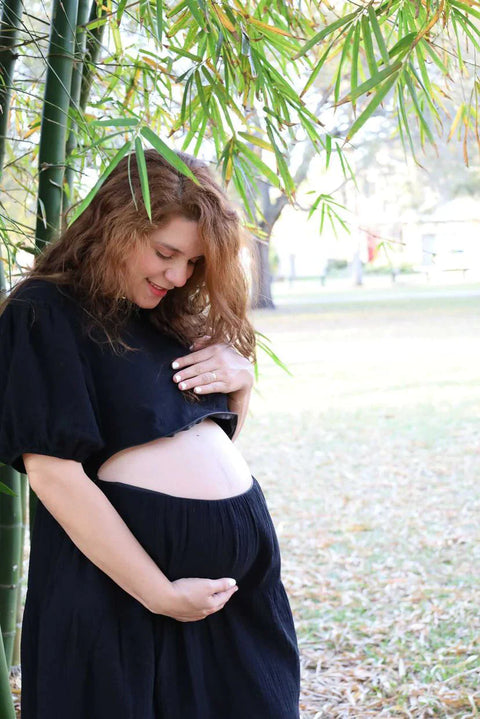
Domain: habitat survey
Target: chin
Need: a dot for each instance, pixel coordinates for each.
(149, 304)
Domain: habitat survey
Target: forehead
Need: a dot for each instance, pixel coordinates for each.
(179, 235)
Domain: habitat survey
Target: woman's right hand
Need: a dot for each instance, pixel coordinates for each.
(194, 598)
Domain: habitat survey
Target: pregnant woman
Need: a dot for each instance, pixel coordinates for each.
(154, 588)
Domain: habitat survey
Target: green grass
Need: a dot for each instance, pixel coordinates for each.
(370, 460)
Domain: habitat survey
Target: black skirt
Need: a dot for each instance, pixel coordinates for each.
(92, 651)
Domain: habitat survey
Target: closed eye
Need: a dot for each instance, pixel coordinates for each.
(163, 257)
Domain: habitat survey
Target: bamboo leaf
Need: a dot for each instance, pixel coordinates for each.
(263, 342)
(256, 141)
(193, 8)
(418, 109)
(456, 120)
(355, 57)
(6, 490)
(343, 57)
(372, 83)
(367, 41)
(223, 19)
(403, 45)
(159, 19)
(142, 171)
(259, 164)
(404, 118)
(327, 31)
(317, 69)
(372, 106)
(108, 170)
(116, 122)
(201, 134)
(328, 150)
(120, 10)
(468, 9)
(378, 34)
(167, 153)
(434, 56)
(177, 8)
(184, 53)
(268, 28)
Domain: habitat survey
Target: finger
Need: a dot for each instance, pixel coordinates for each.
(196, 370)
(210, 388)
(200, 355)
(221, 585)
(204, 384)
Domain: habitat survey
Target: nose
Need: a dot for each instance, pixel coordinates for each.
(178, 275)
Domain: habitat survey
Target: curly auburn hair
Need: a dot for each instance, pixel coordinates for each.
(91, 255)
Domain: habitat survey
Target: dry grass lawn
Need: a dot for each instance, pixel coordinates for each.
(370, 460)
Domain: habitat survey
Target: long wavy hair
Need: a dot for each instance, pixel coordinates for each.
(91, 255)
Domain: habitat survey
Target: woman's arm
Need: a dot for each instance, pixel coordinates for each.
(96, 528)
(238, 402)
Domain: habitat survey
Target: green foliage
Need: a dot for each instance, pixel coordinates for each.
(237, 82)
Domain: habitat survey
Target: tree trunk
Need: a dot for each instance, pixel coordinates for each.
(11, 16)
(55, 119)
(262, 295)
(357, 269)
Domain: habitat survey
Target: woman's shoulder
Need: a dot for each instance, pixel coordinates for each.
(37, 289)
(40, 303)
(37, 292)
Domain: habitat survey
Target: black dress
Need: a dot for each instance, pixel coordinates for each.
(89, 649)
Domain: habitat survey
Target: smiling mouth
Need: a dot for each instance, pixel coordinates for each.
(156, 289)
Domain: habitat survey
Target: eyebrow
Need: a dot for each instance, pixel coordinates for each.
(179, 252)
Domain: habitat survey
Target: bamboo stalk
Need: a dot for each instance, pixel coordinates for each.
(10, 557)
(11, 17)
(53, 133)
(32, 508)
(94, 43)
(11, 544)
(7, 710)
(77, 75)
(18, 627)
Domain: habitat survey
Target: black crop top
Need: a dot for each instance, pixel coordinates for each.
(65, 395)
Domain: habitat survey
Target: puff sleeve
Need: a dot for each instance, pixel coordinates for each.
(45, 395)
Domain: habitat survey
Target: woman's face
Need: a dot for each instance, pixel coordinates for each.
(166, 261)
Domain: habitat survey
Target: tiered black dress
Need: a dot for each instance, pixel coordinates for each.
(89, 649)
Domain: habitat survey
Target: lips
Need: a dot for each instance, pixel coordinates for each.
(157, 291)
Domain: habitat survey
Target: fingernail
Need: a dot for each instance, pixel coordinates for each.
(231, 582)
(175, 365)
(197, 389)
(191, 347)
(182, 385)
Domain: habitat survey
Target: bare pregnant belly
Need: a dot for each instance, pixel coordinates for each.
(200, 462)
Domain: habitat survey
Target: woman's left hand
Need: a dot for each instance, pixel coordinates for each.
(216, 368)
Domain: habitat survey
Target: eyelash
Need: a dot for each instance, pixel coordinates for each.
(167, 257)
(163, 257)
